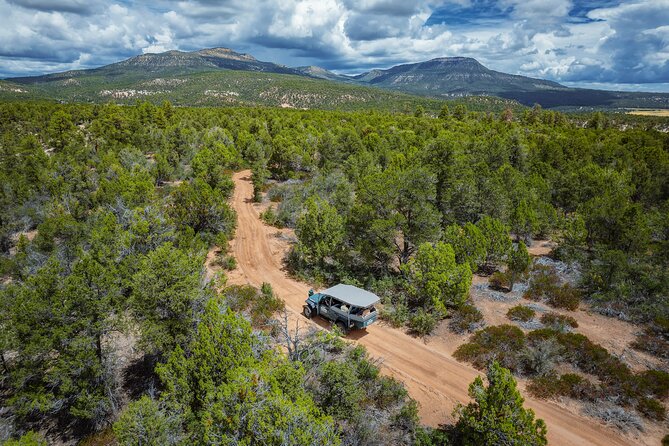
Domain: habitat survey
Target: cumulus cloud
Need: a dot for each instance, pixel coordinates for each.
(592, 42)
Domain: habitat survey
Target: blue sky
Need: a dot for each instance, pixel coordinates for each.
(608, 44)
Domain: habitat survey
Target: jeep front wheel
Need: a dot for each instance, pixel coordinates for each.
(307, 312)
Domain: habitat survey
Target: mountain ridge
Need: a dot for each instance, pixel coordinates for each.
(441, 78)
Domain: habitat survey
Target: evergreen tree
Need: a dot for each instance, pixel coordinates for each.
(436, 279)
(496, 416)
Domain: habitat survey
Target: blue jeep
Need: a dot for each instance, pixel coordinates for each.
(346, 306)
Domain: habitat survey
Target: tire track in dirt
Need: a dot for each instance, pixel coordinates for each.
(436, 380)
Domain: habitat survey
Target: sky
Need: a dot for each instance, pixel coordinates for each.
(609, 44)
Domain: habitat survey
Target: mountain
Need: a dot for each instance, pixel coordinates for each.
(452, 76)
(238, 78)
(322, 73)
(169, 63)
(449, 77)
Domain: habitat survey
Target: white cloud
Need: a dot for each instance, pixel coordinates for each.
(625, 43)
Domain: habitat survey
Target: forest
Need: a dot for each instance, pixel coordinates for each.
(110, 328)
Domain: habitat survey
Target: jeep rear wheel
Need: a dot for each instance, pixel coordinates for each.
(307, 312)
(342, 327)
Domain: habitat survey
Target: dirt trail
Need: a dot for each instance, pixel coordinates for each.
(436, 380)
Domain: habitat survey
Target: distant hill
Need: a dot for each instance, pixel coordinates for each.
(452, 76)
(173, 75)
(463, 76)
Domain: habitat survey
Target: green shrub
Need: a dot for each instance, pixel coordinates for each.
(655, 339)
(270, 217)
(500, 281)
(505, 343)
(366, 370)
(466, 318)
(558, 322)
(569, 385)
(226, 262)
(422, 322)
(340, 392)
(29, 439)
(260, 306)
(388, 392)
(654, 382)
(545, 285)
(543, 282)
(665, 440)
(396, 314)
(566, 297)
(520, 313)
(265, 305)
(652, 409)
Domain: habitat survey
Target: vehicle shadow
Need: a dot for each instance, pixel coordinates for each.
(325, 324)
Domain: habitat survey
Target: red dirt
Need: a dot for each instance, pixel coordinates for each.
(436, 380)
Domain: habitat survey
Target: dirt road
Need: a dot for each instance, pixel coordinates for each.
(436, 380)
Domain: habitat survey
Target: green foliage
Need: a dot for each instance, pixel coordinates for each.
(394, 213)
(166, 298)
(224, 390)
(340, 391)
(396, 313)
(498, 242)
(558, 322)
(545, 285)
(468, 242)
(569, 385)
(144, 422)
(260, 306)
(497, 416)
(652, 409)
(500, 281)
(519, 262)
(520, 313)
(422, 322)
(29, 439)
(320, 231)
(437, 281)
(504, 343)
(466, 318)
(198, 206)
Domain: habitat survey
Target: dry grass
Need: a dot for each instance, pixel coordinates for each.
(649, 112)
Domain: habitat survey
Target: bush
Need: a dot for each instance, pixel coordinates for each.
(558, 322)
(540, 356)
(520, 313)
(500, 281)
(259, 306)
(652, 409)
(422, 322)
(396, 314)
(29, 439)
(340, 392)
(654, 382)
(388, 392)
(655, 339)
(665, 440)
(569, 385)
(652, 343)
(505, 343)
(227, 262)
(270, 217)
(616, 416)
(566, 297)
(543, 282)
(466, 318)
(545, 285)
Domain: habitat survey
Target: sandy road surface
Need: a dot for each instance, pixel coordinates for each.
(432, 376)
